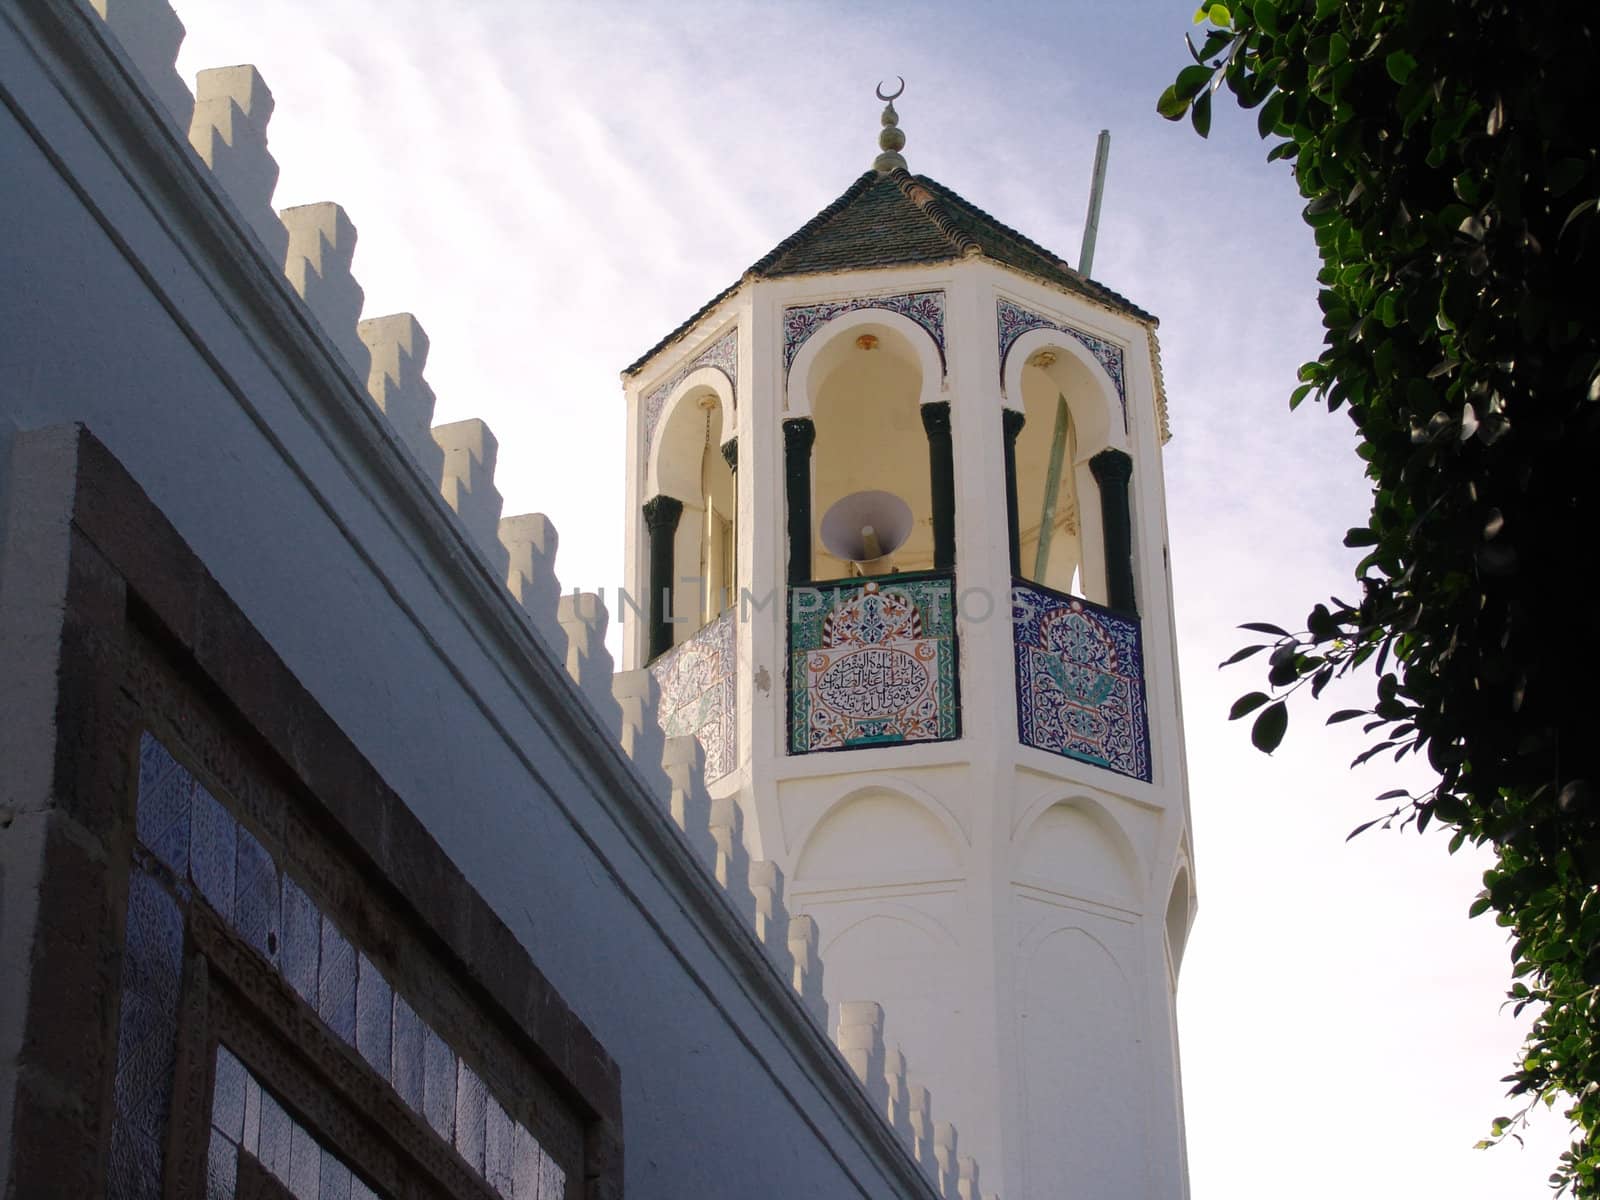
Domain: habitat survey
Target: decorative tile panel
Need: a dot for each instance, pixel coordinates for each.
(698, 693)
(218, 861)
(872, 662)
(723, 354)
(1080, 680)
(800, 322)
(1014, 321)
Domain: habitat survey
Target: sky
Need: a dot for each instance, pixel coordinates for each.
(552, 187)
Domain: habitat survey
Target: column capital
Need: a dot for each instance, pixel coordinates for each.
(1111, 466)
(662, 512)
(730, 453)
(799, 433)
(1011, 421)
(936, 417)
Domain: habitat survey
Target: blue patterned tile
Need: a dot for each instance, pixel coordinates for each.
(498, 1143)
(300, 955)
(1014, 321)
(374, 1016)
(277, 1134)
(255, 892)
(336, 982)
(438, 1084)
(471, 1113)
(305, 1164)
(799, 323)
(222, 1168)
(133, 1166)
(152, 965)
(406, 1072)
(230, 1082)
(698, 693)
(162, 810)
(1080, 681)
(212, 852)
(527, 1162)
(335, 1179)
(873, 662)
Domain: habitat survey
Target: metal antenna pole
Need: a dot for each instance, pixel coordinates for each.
(1097, 186)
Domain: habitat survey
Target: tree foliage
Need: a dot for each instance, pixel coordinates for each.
(1447, 153)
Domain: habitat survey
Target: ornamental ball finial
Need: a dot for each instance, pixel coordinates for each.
(891, 141)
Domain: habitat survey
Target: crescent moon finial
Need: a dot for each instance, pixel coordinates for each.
(896, 96)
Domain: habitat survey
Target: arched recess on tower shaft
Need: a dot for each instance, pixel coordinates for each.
(863, 378)
(1076, 844)
(1071, 413)
(686, 463)
(880, 832)
(1179, 916)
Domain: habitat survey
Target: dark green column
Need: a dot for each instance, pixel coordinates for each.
(942, 478)
(798, 435)
(1112, 470)
(661, 518)
(730, 454)
(1011, 422)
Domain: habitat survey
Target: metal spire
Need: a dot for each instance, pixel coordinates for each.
(891, 141)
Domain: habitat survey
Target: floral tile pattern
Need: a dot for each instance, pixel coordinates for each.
(723, 354)
(872, 662)
(799, 323)
(1014, 321)
(192, 839)
(698, 695)
(1080, 681)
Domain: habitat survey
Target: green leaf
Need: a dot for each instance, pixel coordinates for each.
(1171, 105)
(1200, 114)
(1266, 15)
(1240, 655)
(1346, 714)
(1399, 64)
(1264, 627)
(1267, 732)
(1218, 14)
(1247, 704)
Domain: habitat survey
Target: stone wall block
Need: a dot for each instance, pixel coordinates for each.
(684, 761)
(860, 1039)
(967, 1178)
(772, 917)
(920, 1118)
(584, 617)
(530, 543)
(150, 33)
(322, 242)
(899, 1105)
(639, 696)
(232, 106)
(944, 1158)
(807, 978)
(467, 484)
(398, 347)
(732, 867)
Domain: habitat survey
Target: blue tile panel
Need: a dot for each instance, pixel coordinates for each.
(147, 1029)
(218, 860)
(247, 1119)
(872, 662)
(698, 698)
(1013, 321)
(1080, 680)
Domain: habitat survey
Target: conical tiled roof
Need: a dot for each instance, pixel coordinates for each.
(899, 219)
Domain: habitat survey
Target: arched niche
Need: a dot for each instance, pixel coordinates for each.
(1076, 847)
(864, 390)
(1180, 913)
(1082, 1069)
(686, 464)
(876, 833)
(832, 340)
(1071, 414)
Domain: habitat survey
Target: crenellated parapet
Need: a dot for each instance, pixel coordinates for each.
(232, 106)
(151, 34)
(398, 347)
(322, 244)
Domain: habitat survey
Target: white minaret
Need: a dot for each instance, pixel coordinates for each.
(904, 482)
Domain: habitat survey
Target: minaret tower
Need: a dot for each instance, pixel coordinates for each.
(897, 557)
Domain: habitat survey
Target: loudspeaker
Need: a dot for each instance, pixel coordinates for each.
(866, 528)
